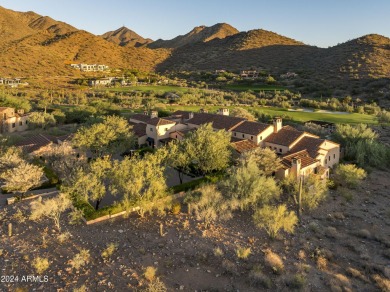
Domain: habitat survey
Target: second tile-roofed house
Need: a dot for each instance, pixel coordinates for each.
(298, 164)
(253, 131)
(327, 152)
(242, 146)
(218, 122)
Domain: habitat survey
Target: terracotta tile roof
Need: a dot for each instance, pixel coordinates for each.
(151, 121)
(159, 122)
(285, 137)
(312, 145)
(36, 142)
(251, 128)
(243, 145)
(181, 114)
(218, 121)
(140, 117)
(139, 129)
(303, 155)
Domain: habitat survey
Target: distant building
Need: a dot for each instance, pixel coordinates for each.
(11, 121)
(249, 74)
(289, 75)
(12, 82)
(89, 67)
(101, 81)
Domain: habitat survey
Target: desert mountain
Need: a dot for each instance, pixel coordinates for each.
(198, 34)
(125, 37)
(31, 44)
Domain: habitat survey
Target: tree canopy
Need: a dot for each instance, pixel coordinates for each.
(111, 136)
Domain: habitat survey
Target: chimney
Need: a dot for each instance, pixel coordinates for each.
(223, 111)
(277, 124)
(296, 166)
(153, 114)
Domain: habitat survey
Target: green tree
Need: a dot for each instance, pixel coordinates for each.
(348, 175)
(142, 182)
(266, 160)
(275, 219)
(50, 208)
(246, 186)
(92, 182)
(22, 178)
(314, 190)
(208, 150)
(209, 205)
(111, 136)
(41, 120)
(242, 113)
(179, 159)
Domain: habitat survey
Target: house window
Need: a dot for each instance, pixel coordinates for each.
(329, 157)
(261, 138)
(166, 129)
(151, 129)
(334, 156)
(13, 125)
(243, 136)
(251, 137)
(176, 136)
(235, 134)
(280, 149)
(26, 122)
(326, 161)
(20, 123)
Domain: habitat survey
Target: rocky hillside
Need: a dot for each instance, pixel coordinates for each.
(125, 37)
(198, 34)
(31, 44)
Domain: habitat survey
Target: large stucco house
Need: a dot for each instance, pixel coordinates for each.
(301, 152)
(12, 120)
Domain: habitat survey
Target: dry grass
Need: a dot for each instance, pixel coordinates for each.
(322, 263)
(107, 252)
(218, 252)
(40, 264)
(80, 259)
(381, 282)
(243, 252)
(63, 237)
(150, 273)
(258, 279)
(274, 261)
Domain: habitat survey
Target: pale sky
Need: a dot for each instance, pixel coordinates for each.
(316, 22)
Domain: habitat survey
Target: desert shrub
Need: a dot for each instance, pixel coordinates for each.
(331, 232)
(80, 259)
(109, 250)
(63, 237)
(346, 193)
(364, 233)
(382, 283)
(176, 208)
(230, 267)
(274, 261)
(209, 205)
(275, 219)
(218, 252)
(348, 175)
(156, 286)
(40, 264)
(258, 279)
(75, 216)
(82, 288)
(357, 274)
(243, 252)
(322, 263)
(297, 281)
(19, 216)
(150, 273)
